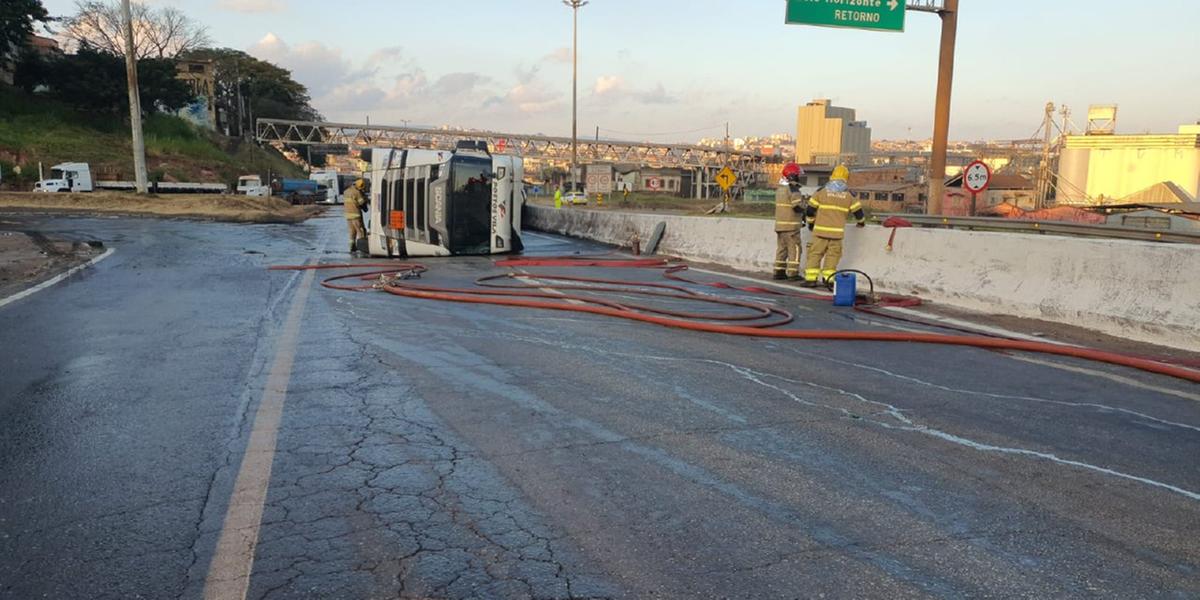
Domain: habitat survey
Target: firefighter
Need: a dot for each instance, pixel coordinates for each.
(354, 206)
(826, 215)
(789, 219)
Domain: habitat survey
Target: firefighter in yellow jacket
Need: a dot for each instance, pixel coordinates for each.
(789, 218)
(826, 214)
(354, 205)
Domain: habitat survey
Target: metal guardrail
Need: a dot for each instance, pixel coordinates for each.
(1045, 227)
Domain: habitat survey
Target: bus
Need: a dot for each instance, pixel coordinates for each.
(444, 203)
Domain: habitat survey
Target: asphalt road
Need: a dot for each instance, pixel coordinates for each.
(409, 448)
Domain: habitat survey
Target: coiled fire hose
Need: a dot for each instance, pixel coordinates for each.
(562, 293)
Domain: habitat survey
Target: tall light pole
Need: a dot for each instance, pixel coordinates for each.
(135, 102)
(941, 113)
(575, 6)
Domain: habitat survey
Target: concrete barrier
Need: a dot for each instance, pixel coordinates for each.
(1142, 291)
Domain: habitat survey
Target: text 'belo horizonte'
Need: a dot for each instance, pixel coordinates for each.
(855, 16)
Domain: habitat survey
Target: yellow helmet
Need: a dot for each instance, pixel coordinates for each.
(360, 183)
(840, 173)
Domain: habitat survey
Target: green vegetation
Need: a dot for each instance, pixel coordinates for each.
(33, 129)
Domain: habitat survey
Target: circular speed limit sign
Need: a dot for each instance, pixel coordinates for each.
(977, 177)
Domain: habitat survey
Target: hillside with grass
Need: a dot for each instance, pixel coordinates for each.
(35, 129)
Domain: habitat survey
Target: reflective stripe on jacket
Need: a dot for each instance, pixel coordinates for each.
(827, 212)
(789, 215)
(354, 202)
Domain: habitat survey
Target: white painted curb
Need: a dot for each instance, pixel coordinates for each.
(54, 280)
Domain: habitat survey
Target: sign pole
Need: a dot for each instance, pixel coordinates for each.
(941, 113)
(976, 178)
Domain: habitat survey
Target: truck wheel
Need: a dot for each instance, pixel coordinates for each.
(63, 191)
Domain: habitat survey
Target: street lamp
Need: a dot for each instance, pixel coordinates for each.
(575, 6)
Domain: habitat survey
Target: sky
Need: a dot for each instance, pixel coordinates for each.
(678, 70)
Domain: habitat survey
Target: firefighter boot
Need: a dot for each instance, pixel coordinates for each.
(780, 275)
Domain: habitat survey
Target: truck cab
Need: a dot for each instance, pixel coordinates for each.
(329, 179)
(66, 177)
(252, 185)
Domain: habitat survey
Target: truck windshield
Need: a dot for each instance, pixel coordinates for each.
(57, 174)
(470, 205)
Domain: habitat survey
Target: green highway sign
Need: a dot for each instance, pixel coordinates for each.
(879, 15)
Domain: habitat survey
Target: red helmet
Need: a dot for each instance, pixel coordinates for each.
(792, 170)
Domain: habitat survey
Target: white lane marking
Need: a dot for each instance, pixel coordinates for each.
(903, 422)
(1109, 376)
(527, 276)
(56, 279)
(973, 326)
(781, 286)
(1091, 405)
(229, 574)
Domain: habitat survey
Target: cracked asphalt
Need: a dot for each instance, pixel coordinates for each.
(432, 450)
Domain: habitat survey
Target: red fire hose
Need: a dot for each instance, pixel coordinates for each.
(753, 319)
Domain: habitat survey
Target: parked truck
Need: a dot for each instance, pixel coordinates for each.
(77, 177)
(252, 185)
(66, 177)
(298, 191)
(329, 179)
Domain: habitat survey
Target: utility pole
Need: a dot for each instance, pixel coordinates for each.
(941, 113)
(1043, 179)
(135, 102)
(575, 5)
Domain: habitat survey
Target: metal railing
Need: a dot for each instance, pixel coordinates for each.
(1046, 227)
(933, 6)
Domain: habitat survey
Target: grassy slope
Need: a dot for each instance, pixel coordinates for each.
(33, 129)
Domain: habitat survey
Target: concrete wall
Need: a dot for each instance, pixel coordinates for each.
(1137, 290)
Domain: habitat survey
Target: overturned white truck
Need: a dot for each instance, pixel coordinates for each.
(444, 202)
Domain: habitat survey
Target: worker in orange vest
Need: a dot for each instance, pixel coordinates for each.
(826, 214)
(789, 219)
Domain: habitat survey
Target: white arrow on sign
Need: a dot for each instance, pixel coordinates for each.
(892, 4)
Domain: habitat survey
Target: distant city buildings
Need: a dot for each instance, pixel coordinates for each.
(778, 145)
(828, 134)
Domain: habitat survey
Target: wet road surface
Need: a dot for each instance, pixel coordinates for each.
(177, 422)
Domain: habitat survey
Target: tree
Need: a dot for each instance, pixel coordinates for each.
(157, 32)
(16, 22)
(94, 81)
(266, 90)
(31, 70)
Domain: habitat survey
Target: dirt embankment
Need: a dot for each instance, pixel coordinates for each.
(28, 257)
(234, 209)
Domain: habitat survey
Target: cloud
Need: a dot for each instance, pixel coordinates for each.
(614, 89)
(391, 87)
(559, 55)
(252, 6)
(313, 64)
(607, 85)
(658, 95)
